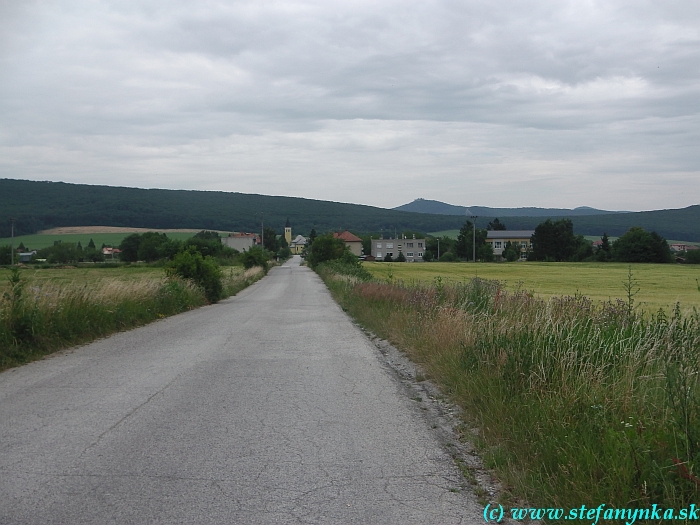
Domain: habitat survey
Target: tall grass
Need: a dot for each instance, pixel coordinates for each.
(576, 402)
(40, 317)
(236, 279)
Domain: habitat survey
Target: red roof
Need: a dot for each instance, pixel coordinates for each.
(347, 236)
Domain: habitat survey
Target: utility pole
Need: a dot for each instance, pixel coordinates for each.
(12, 242)
(474, 217)
(438, 248)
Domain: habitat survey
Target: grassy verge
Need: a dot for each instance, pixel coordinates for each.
(576, 402)
(41, 313)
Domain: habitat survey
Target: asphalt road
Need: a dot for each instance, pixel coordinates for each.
(269, 407)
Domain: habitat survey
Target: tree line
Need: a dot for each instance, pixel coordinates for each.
(553, 240)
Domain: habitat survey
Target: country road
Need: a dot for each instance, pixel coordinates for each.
(269, 407)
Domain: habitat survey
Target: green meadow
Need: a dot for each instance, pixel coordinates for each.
(660, 285)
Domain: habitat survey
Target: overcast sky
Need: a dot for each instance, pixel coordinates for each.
(505, 104)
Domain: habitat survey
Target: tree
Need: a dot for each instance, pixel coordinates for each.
(692, 257)
(206, 234)
(60, 253)
(511, 252)
(604, 252)
(495, 225)
(325, 248)
(464, 247)
(312, 236)
(91, 244)
(5, 254)
(206, 246)
(638, 245)
(400, 257)
(554, 241)
(93, 255)
(484, 252)
(584, 250)
(169, 249)
(148, 246)
(388, 258)
(21, 247)
(130, 248)
(270, 240)
(366, 244)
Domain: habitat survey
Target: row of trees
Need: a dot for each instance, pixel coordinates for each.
(555, 241)
(153, 246)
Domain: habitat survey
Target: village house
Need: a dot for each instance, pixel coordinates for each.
(111, 253)
(241, 241)
(351, 241)
(681, 247)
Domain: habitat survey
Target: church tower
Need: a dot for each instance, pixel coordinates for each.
(288, 232)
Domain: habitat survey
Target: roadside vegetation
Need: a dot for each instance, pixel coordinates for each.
(51, 307)
(570, 400)
(41, 313)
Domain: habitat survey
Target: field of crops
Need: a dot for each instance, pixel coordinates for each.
(660, 285)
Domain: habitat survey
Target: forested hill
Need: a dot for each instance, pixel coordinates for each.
(41, 205)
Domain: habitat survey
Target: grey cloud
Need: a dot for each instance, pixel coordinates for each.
(536, 93)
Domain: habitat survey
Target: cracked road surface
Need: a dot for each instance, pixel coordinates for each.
(269, 407)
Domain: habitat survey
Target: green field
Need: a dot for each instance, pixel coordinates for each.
(661, 285)
(39, 241)
(83, 276)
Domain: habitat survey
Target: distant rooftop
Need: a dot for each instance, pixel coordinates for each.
(347, 236)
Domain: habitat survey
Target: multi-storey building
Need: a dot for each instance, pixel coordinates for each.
(412, 249)
(498, 239)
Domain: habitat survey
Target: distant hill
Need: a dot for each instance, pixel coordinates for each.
(42, 205)
(441, 208)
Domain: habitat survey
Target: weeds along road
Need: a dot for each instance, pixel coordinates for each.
(269, 407)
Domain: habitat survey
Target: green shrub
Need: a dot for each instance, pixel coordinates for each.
(325, 248)
(204, 271)
(254, 256)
